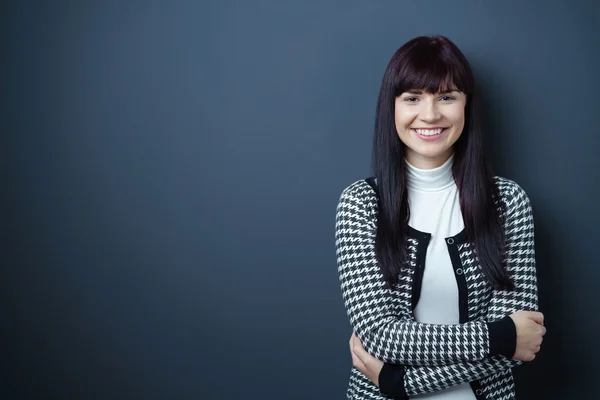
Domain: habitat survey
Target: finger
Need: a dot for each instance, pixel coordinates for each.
(367, 359)
(537, 317)
(352, 343)
(358, 364)
(529, 356)
(355, 343)
(355, 359)
(358, 343)
(360, 353)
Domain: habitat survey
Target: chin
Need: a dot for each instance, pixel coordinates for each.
(432, 154)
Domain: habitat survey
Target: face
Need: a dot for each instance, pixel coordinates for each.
(429, 125)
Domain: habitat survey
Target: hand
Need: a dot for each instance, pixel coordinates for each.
(530, 332)
(363, 361)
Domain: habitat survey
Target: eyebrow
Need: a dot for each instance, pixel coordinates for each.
(412, 91)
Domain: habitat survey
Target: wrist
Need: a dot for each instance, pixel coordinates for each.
(502, 337)
(391, 381)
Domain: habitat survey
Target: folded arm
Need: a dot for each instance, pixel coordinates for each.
(401, 381)
(381, 319)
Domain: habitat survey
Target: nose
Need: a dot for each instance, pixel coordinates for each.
(429, 113)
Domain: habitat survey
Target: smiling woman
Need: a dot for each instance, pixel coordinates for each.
(435, 254)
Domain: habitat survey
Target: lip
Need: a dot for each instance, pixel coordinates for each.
(430, 138)
(431, 128)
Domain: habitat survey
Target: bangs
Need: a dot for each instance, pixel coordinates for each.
(432, 68)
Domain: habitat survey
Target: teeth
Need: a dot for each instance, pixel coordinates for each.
(429, 132)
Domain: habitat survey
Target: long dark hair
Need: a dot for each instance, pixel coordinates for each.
(433, 64)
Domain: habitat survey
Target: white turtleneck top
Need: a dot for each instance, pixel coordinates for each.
(435, 209)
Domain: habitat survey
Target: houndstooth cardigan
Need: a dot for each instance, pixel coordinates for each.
(434, 357)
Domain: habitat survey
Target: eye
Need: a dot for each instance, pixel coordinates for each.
(448, 98)
(410, 99)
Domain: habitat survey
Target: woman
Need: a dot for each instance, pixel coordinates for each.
(435, 254)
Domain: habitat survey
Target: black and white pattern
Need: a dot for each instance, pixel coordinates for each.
(436, 356)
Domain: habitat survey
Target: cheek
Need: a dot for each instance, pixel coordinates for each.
(404, 117)
(456, 116)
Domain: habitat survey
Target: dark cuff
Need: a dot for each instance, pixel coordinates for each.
(503, 337)
(391, 381)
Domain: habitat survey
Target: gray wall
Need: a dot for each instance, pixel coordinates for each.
(170, 175)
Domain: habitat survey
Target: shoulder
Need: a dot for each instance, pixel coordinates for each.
(358, 196)
(359, 189)
(511, 195)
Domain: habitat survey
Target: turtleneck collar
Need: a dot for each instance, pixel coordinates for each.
(430, 180)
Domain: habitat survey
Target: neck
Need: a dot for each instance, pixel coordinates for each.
(431, 179)
(422, 162)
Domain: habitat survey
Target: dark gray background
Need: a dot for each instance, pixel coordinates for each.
(170, 173)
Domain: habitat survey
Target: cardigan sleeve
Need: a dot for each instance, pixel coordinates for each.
(519, 259)
(384, 325)
(401, 381)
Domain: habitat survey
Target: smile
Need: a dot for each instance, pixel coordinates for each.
(429, 131)
(429, 134)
